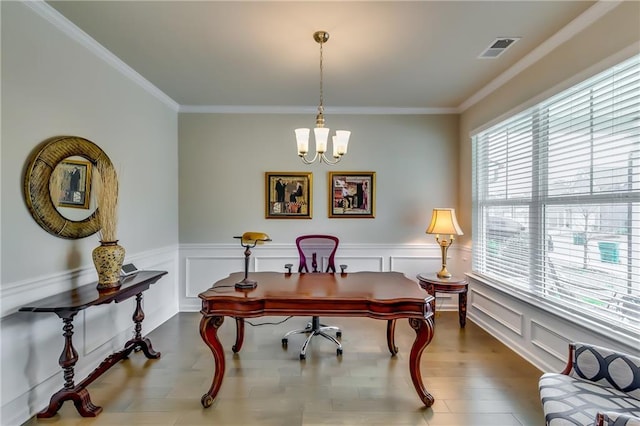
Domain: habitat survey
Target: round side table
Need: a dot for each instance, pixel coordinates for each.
(434, 284)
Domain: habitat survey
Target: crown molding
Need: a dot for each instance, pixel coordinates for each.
(75, 33)
(247, 109)
(583, 21)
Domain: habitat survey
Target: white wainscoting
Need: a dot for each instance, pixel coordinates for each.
(32, 342)
(201, 265)
(535, 331)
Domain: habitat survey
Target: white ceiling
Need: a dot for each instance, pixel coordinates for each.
(411, 55)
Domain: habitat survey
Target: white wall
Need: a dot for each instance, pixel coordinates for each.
(529, 327)
(223, 158)
(53, 85)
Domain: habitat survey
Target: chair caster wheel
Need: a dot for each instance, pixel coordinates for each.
(339, 352)
(285, 342)
(338, 334)
(302, 357)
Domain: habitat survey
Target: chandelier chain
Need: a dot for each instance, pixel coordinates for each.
(321, 106)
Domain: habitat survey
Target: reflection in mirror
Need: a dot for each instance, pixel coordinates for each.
(71, 186)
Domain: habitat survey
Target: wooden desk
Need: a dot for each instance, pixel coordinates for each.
(66, 305)
(456, 285)
(380, 295)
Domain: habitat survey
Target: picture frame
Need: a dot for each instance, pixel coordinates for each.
(75, 181)
(288, 195)
(352, 195)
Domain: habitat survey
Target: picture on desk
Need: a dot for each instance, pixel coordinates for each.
(352, 194)
(288, 195)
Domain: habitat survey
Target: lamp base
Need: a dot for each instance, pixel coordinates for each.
(246, 285)
(443, 273)
(444, 246)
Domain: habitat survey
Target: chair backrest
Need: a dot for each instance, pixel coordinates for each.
(317, 253)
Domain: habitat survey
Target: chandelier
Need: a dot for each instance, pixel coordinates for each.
(321, 133)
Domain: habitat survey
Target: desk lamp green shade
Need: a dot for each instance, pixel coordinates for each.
(443, 221)
(249, 240)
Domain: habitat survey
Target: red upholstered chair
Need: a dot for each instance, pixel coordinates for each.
(317, 254)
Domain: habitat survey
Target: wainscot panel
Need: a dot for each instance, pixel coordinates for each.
(203, 264)
(497, 311)
(533, 328)
(546, 339)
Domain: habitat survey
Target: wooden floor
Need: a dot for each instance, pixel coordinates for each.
(474, 378)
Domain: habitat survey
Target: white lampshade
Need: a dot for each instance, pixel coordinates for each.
(341, 142)
(443, 221)
(302, 138)
(322, 135)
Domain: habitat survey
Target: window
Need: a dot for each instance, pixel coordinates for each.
(556, 200)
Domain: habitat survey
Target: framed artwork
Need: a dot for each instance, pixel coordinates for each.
(288, 195)
(75, 182)
(352, 194)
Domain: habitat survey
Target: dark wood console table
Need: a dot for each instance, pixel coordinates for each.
(379, 295)
(66, 305)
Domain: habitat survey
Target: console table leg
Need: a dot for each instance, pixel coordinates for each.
(209, 333)
(424, 334)
(138, 342)
(78, 394)
(239, 335)
(391, 331)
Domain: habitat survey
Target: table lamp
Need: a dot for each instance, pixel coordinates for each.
(443, 221)
(249, 240)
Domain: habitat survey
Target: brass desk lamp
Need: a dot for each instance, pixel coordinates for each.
(249, 240)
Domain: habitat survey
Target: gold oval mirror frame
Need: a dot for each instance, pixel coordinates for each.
(37, 175)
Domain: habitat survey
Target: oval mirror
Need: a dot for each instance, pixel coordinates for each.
(57, 186)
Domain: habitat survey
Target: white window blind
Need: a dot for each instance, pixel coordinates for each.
(556, 199)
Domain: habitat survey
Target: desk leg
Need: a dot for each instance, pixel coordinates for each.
(239, 335)
(391, 332)
(78, 394)
(209, 333)
(462, 308)
(424, 334)
(138, 342)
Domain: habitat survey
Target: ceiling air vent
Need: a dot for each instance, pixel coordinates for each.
(498, 47)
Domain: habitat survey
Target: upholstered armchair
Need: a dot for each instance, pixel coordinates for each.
(599, 386)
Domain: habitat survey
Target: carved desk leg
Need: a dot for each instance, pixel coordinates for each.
(209, 333)
(138, 342)
(78, 394)
(424, 334)
(239, 335)
(391, 331)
